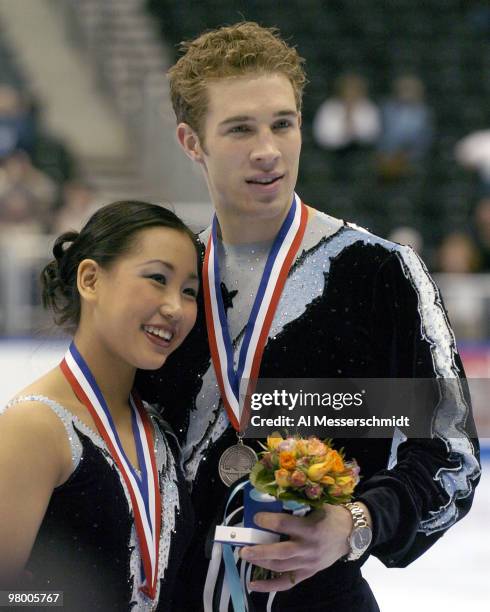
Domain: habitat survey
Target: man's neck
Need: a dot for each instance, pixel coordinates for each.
(249, 233)
(235, 229)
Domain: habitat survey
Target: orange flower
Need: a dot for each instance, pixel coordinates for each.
(337, 461)
(327, 480)
(346, 484)
(287, 460)
(282, 477)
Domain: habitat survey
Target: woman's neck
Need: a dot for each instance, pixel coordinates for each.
(114, 376)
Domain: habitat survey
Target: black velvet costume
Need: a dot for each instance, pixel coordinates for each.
(354, 305)
(86, 545)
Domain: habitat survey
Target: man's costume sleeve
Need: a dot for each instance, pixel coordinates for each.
(430, 482)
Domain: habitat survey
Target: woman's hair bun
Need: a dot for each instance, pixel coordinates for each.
(59, 246)
(57, 284)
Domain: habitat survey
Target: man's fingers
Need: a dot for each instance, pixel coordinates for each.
(282, 583)
(262, 552)
(298, 526)
(282, 523)
(280, 565)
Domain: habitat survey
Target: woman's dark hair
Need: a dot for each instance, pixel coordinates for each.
(109, 233)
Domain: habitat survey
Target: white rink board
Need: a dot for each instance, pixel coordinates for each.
(24, 360)
(454, 575)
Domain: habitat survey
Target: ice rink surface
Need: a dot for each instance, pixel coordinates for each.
(453, 575)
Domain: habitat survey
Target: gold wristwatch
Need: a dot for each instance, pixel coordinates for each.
(361, 534)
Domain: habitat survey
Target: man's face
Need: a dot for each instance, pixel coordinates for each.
(251, 148)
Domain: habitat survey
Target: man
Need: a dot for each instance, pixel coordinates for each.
(352, 305)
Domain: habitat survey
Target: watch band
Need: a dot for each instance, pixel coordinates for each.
(358, 515)
(360, 522)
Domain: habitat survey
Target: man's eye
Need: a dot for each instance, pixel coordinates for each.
(280, 125)
(159, 278)
(239, 129)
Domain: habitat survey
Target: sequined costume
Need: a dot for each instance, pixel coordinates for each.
(354, 305)
(86, 545)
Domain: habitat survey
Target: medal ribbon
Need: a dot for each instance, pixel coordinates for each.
(145, 491)
(278, 264)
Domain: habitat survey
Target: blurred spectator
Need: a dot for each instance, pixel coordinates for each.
(407, 129)
(17, 170)
(17, 174)
(458, 254)
(473, 152)
(19, 209)
(16, 123)
(481, 231)
(409, 236)
(349, 120)
(79, 201)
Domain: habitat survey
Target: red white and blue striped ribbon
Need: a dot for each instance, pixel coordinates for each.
(279, 261)
(144, 491)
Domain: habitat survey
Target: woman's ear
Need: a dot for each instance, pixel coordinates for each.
(87, 276)
(189, 141)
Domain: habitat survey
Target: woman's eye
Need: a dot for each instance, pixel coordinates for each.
(159, 278)
(191, 292)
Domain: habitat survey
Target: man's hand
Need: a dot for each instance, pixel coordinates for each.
(315, 543)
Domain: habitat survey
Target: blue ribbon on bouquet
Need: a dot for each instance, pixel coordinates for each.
(231, 573)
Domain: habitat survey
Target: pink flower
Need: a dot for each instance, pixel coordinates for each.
(287, 445)
(313, 491)
(354, 468)
(267, 461)
(303, 462)
(316, 447)
(335, 490)
(298, 478)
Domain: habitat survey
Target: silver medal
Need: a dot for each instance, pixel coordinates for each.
(236, 462)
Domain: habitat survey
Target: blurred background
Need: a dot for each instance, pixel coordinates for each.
(396, 138)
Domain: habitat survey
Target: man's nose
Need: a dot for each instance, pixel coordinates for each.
(265, 149)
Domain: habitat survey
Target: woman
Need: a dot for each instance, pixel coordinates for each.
(93, 499)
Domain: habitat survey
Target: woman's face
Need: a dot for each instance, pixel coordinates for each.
(146, 300)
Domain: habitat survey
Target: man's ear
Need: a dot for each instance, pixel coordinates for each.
(189, 141)
(87, 276)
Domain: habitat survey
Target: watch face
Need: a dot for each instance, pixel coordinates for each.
(361, 538)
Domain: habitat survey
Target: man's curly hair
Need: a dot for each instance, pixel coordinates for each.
(235, 50)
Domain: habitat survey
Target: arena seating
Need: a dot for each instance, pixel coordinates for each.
(437, 40)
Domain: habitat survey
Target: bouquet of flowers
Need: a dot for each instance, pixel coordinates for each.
(306, 471)
(302, 473)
